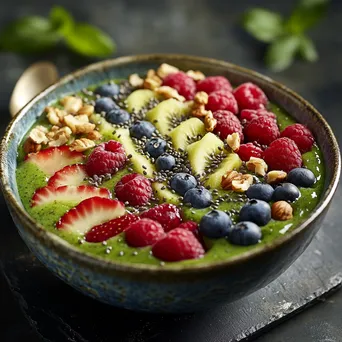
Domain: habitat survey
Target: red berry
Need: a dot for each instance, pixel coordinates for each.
(300, 135)
(179, 244)
(134, 189)
(183, 83)
(250, 96)
(247, 115)
(144, 232)
(246, 151)
(108, 157)
(283, 154)
(168, 215)
(222, 100)
(227, 123)
(214, 83)
(262, 130)
(190, 226)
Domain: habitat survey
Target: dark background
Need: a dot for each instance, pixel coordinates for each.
(205, 28)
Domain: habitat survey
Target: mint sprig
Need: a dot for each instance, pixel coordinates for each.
(35, 34)
(287, 37)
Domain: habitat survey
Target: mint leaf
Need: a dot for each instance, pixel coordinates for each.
(262, 24)
(306, 14)
(61, 20)
(29, 35)
(281, 53)
(307, 49)
(90, 41)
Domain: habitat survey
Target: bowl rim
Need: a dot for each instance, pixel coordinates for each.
(65, 249)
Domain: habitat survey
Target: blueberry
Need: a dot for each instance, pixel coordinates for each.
(301, 177)
(155, 147)
(286, 192)
(104, 104)
(117, 116)
(182, 182)
(199, 198)
(215, 224)
(165, 162)
(256, 211)
(107, 90)
(260, 191)
(244, 234)
(142, 129)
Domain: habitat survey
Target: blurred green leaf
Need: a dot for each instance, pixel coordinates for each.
(29, 35)
(307, 49)
(61, 20)
(90, 41)
(262, 24)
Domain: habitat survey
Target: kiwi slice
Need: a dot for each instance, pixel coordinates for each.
(139, 99)
(163, 194)
(231, 162)
(182, 135)
(168, 114)
(199, 152)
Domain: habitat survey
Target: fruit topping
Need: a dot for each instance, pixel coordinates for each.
(244, 234)
(250, 96)
(190, 226)
(286, 192)
(107, 230)
(53, 159)
(139, 99)
(66, 193)
(246, 151)
(227, 123)
(142, 129)
(301, 177)
(215, 224)
(214, 83)
(260, 191)
(107, 90)
(222, 100)
(165, 162)
(179, 244)
(106, 158)
(89, 213)
(104, 105)
(256, 211)
(283, 154)
(248, 115)
(144, 232)
(155, 147)
(168, 215)
(182, 182)
(117, 116)
(70, 175)
(183, 83)
(134, 189)
(198, 198)
(300, 135)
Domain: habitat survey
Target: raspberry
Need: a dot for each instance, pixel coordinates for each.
(168, 215)
(134, 189)
(214, 83)
(106, 158)
(283, 154)
(262, 130)
(300, 135)
(250, 96)
(246, 151)
(190, 226)
(222, 100)
(144, 232)
(227, 123)
(179, 244)
(183, 83)
(248, 115)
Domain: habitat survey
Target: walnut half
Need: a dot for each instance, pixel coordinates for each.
(236, 181)
(257, 165)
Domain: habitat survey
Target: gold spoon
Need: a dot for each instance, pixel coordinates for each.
(35, 78)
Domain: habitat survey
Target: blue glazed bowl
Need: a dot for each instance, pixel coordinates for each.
(147, 287)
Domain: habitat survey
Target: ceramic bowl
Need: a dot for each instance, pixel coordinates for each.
(146, 287)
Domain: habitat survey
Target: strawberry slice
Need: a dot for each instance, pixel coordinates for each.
(89, 213)
(49, 194)
(107, 230)
(53, 159)
(69, 175)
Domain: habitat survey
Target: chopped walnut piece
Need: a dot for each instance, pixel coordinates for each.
(166, 69)
(72, 104)
(31, 147)
(257, 165)
(209, 121)
(233, 141)
(59, 137)
(199, 111)
(201, 98)
(169, 93)
(38, 135)
(81, 145)
(196, 75)
(86, 110)
(62, 139)
(275, 177)
(236, 181)
(55, 115)
(79, 124)
(281, 211)
(135, 81)
(152, 80)
(94, 135)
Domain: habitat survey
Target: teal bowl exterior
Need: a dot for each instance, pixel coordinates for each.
(151, 288)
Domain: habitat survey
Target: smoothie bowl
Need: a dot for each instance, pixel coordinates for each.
(168, 183)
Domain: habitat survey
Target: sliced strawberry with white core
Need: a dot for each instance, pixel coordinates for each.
(71, 193)
(89, 213)
(69, 175)
(54, 158)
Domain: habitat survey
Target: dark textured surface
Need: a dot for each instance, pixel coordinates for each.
(207, 28)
